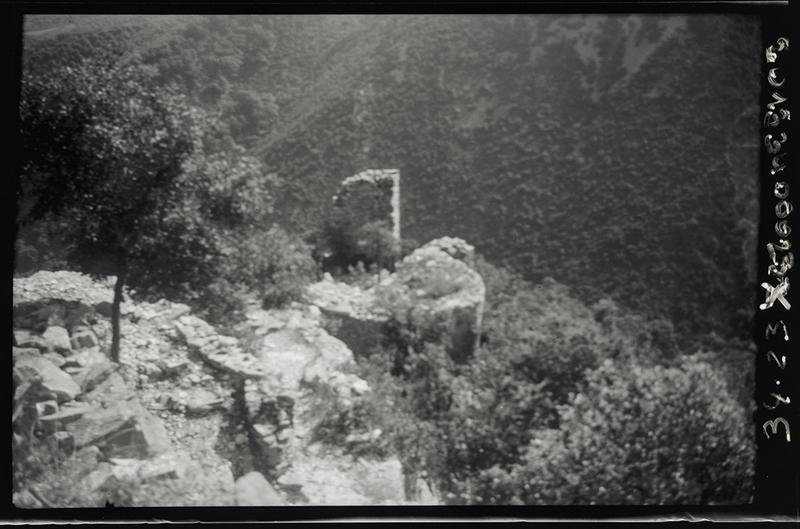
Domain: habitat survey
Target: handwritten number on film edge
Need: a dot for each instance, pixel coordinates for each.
(779, 265)
(774, 426)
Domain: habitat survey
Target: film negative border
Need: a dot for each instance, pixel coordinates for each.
(778, 362)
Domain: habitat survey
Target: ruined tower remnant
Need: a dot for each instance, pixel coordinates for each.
(372, 195)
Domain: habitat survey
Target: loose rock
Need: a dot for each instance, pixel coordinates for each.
(57, 339)
(253, 490)
(52, 378)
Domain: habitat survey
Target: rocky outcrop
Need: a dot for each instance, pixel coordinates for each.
(99, 418)
(158, 418)
(306, 377)
(433, 289)
(439, 295)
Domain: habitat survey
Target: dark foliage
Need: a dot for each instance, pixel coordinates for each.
(566, 403)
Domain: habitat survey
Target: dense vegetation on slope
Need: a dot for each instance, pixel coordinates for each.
(567, 403)
(598, 177)
(612, 153)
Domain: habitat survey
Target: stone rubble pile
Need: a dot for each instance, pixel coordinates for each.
(99, 418)
(157, 419)
(308, 376)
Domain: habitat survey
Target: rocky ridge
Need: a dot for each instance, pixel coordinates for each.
(188, 409)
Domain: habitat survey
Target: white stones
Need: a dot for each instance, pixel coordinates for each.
(63, 285)
(359, 387)
(57, 339)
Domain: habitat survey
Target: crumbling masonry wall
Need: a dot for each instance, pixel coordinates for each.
(372, 195)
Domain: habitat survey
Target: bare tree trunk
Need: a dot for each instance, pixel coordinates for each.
(115, 310)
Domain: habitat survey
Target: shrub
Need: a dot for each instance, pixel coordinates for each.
(637, 435)
(341, 244)
(275, 264)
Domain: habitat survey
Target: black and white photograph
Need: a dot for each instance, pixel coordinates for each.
(402, 260)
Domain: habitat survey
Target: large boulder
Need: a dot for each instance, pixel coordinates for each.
(253, 490)
(57, 339)
(54, 380)
(124, 429)
(439, 295)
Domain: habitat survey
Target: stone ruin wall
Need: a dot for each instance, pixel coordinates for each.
(356, 319)
(372, 195)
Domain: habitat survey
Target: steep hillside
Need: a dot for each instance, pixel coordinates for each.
(614, 153)
(610, 153)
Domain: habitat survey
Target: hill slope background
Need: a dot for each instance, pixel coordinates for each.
(617, 154)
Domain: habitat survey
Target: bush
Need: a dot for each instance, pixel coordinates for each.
(342, 244)
(275, 264)
(637, 435)
(222, 301)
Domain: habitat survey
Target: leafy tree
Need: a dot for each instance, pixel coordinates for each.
(121, 161)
